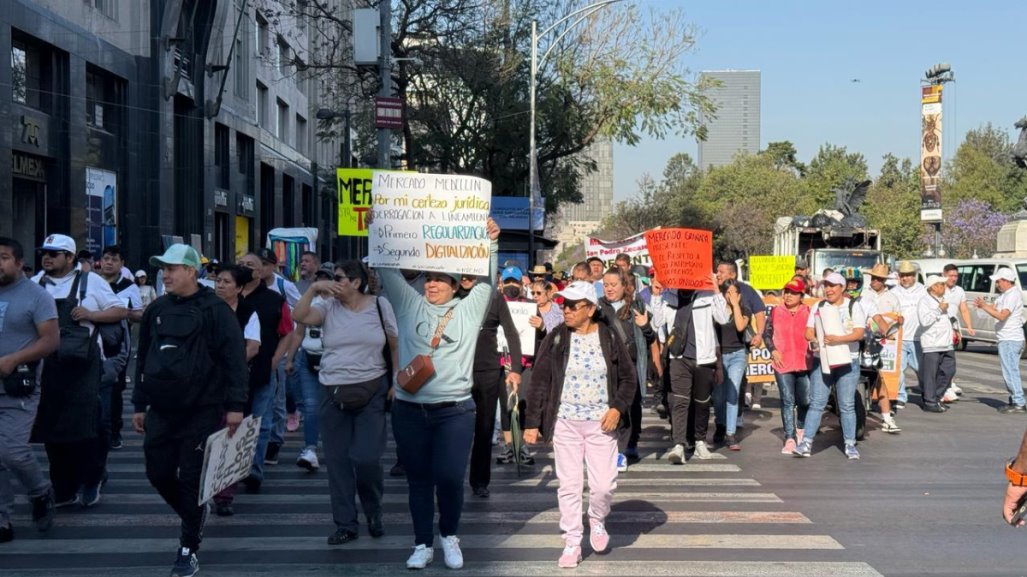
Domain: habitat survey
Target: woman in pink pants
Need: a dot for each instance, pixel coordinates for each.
(581, 389)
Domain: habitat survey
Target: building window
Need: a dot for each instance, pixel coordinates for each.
(95, 99)
(29, 84)
(221, 154)
(283, 56)
(262, 105)
(263, 36)
(282, 130)
(242, 70)
(301, 134)
(108, 8)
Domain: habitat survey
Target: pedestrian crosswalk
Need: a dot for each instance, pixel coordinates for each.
(706, 518)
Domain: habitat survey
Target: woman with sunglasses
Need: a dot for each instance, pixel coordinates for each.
(434, 426)
(581, 389)
(358, 334)
(784, 336)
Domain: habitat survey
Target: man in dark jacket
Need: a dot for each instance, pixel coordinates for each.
(178, 404)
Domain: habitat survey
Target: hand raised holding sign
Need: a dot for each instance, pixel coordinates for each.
(492, 229)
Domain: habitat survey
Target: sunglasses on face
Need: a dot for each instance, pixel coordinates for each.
(573, 305)
(52, 253)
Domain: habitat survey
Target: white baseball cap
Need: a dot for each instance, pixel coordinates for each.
(835, 279)
(579, 291)
(1004, 273)
(140, 273)
(59, 242)
(935, 279)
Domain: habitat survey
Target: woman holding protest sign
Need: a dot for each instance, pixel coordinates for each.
(359, 339)
(434, 413)
(629, 320)
(785, 337)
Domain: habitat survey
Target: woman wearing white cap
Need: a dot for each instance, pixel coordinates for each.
(936, 341)
(146, 293)
(581, 389)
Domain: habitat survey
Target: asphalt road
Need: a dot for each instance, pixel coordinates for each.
(925, 502)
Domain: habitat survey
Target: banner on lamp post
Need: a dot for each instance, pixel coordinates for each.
(930, 153)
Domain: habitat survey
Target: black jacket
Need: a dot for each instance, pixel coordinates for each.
(609, 316)
(227, 384)
(543, 402)
(486, 355)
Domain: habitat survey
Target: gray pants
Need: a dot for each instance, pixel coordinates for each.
(16, 457)
(354, 442)
(936, 370)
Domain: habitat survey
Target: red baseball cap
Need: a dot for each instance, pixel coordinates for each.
(795, 286)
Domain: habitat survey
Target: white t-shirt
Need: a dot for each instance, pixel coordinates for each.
(909, 300)
(251, 332)
(130, 297)
(99, 296)
(955, 296)
(856, 320)
(1010, 329)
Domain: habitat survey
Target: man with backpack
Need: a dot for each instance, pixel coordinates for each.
(191, 373)
(117, 347)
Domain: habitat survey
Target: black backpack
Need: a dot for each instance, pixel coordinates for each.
(178, 364)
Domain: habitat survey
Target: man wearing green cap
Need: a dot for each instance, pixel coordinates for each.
(191, 373)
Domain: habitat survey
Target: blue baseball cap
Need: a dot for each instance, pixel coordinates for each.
(511, 272)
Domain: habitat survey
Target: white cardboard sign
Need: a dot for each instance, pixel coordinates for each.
(227, 460)
(430, 222)
(520, 312)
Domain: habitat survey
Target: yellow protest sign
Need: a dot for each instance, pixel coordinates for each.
(770, 272)
(354, 190)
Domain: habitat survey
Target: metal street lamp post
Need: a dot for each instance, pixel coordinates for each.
(536, 62)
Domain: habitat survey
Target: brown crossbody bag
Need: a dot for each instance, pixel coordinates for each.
(413, 376)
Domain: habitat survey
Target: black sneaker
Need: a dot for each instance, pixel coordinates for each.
(525, 457)
(116, 443)
(661, 411)
(6, 533)
(719, 434)
(252, 484)
(482, 492)
(271, 456)
(731, 442)
(934, 408)
(224, 510)
(506, 455)
(342, 536)
(397, 470)
(186, 564)
(1010, 409)
(374, 526)
(44, 511)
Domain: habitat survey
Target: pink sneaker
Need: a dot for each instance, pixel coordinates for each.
(292, 424)
(570, 557)
(599, 538)
(789, 447)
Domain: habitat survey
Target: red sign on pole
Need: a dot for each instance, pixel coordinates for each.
(388, 113)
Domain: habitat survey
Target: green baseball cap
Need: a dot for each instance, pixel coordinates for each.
(177, 254)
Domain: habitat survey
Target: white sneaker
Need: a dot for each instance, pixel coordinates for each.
(451, 549)
(308, 460)
(950, 396)
(888, 425)
(701, 452)
(955, 389)
(677, 455)
(421, 557)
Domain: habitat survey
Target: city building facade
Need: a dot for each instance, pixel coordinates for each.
(735, 126)
(576, 221)
(141, 122)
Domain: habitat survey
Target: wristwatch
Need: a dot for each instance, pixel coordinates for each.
(1016, 478)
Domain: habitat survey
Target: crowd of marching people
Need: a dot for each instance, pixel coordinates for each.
(347, 351)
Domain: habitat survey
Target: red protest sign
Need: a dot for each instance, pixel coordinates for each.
(682, 257)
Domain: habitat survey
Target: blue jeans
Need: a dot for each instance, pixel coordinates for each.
(263, 407)
(1009, 355)
(794, 389)
(434, 444)
(312, 392)
(725, 395)
(281, 382)
(844, 380)
(912, 357)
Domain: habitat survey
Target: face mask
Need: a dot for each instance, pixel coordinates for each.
(511, 292)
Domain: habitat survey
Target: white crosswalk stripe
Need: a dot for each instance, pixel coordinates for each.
(702, 519)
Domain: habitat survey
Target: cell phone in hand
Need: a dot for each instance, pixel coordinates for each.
(1020, 512)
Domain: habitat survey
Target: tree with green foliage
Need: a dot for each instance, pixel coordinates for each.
(893, 207)
(983, 169)
(832, 166)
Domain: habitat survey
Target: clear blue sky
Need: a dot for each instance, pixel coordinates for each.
(809, 51)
